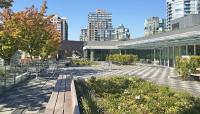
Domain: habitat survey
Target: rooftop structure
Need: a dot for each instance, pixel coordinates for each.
(181, 8)
(185, 22)
(163, 47)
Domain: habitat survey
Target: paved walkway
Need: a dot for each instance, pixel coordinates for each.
(28, 97)
(34, 94)
(161, 75)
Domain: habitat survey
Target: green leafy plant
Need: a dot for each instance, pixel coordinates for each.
(186, 66)
(131, 95)
(82, 62)
(92, 79)
(178, 64)
(194, 63)
(122, 59)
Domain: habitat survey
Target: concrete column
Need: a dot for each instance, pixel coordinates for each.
(174, 58)
(154, 56)
(91, 55)
(186, 49)
(164, 62)
(120, 52)
(85, 54)
(164, 54)
(195, 50)
(160, 56)
(168, 57)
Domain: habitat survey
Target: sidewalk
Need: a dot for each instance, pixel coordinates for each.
(31, 95)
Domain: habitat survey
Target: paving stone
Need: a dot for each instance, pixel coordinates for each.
(38, 91)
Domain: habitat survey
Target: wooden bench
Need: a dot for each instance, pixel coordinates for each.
(197, 75)
(60, 100)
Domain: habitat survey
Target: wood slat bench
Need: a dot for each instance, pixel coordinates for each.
(60, 100)
(195, 76)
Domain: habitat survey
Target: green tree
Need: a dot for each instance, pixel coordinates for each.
(39, 36)
(52, 42)
(9, 35)
(50, 48)
(28, 30)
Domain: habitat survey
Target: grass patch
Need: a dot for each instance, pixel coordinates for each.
(131, 95)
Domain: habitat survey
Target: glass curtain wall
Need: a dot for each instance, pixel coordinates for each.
(100, 55)
(198, 49)
(183, 50)
(191, 50)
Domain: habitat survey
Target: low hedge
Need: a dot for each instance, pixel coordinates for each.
(131, 95)
(82, 62)
(122, 59)
(186, 66)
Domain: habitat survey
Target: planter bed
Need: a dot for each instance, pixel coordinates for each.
(130, 95)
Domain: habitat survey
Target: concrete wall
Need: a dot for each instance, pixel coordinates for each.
(68, 48)
(184, 22)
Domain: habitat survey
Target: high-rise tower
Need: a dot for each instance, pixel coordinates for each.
(100, 26)
(61, 26)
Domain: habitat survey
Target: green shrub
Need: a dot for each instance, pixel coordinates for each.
(92, 79)
(82, 62)
(182, 66)
(131, 95)
(178, 64)
(194, 63)
(186, 66)
(122, 59)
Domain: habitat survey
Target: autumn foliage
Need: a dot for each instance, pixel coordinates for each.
(29, 30)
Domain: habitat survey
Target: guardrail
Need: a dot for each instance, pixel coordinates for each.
(12, 75)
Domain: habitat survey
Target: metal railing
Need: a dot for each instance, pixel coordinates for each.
(11, 75)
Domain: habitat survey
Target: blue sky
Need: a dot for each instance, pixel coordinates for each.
(131, 13)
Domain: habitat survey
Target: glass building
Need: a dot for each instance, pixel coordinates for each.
(159, 49)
